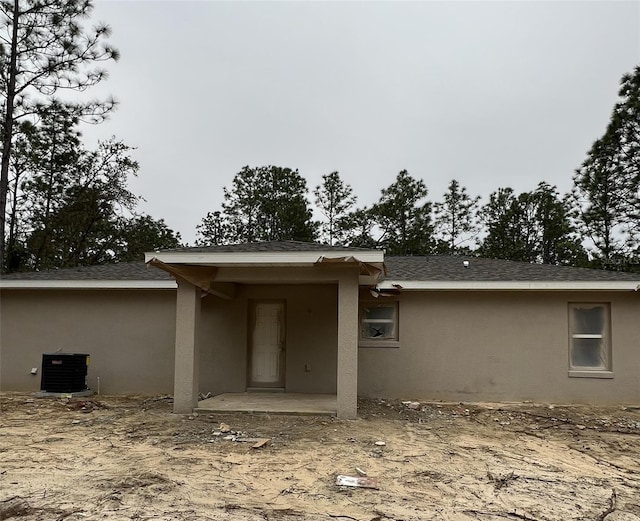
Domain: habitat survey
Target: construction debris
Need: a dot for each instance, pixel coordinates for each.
(357, 481)
(261, 443)
(135, 459)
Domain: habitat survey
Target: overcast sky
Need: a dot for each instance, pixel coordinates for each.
(493, 94)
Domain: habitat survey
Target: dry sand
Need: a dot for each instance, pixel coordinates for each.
(123, 458)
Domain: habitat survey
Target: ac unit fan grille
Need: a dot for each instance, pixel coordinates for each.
(64, 372)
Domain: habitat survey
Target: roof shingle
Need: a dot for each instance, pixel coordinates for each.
(451, 268)
(399, 268)
(119, 271)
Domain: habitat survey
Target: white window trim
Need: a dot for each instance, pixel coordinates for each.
(576, 371)
(382, 342)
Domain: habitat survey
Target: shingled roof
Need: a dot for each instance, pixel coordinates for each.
(399, 268)
(119, 271)
(451, 268)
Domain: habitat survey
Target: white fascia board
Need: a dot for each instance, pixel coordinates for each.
(601, 285)
(87, 284)
(281, 258)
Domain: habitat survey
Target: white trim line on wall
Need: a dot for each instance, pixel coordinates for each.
(417, 285)
(88, 284)
(406, 285)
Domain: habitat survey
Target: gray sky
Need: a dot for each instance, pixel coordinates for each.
(493, 94)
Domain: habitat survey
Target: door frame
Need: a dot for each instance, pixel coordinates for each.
(251, 319)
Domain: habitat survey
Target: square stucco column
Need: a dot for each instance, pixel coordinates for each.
(347, 388)
(185, 384)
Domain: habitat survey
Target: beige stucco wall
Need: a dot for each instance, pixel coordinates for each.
(499, 346)
(311, 338)
(130, 336)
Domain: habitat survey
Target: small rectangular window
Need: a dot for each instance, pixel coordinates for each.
(589, 338)
(379, 323)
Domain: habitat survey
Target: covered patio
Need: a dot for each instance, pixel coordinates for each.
(286, 316)
(271, 403)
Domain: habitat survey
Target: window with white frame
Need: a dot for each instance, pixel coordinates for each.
(589, 337)
(379, 323)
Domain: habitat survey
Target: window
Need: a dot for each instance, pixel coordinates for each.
(379, 324)
(589, 340)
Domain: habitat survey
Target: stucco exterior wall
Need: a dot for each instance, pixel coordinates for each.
(311, 338)
(130, 336)
(500, 346)
(466, 346)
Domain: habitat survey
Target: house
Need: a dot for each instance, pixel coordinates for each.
(310, 318)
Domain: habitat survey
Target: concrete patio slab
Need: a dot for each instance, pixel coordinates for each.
(274, 403)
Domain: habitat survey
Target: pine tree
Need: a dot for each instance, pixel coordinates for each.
(456, 219)
(213, 230)
(335, 199)
(358, 227)
(606, 191)
(241, 206)
(44, 48)
(266, 203)
(531, 227)
(404, 217)
(92, 202)
(142, 233)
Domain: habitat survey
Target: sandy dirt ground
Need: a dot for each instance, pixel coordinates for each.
(123, 458)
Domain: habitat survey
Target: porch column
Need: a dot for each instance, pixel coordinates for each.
(185, 383)
(348, 345)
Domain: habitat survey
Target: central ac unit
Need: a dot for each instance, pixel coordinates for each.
(64, 372)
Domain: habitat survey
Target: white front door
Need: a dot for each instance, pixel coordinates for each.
(267, 344)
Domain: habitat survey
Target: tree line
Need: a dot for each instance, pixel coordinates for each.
(61, 204)
(541, 226)
(596, 224)
(64, 205)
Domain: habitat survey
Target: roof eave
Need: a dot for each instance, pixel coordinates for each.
(442, 285)
(266, 258)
